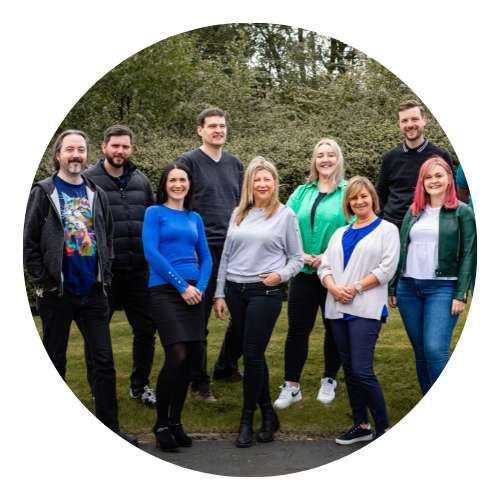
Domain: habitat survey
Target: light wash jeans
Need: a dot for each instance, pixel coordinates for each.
(425, 307)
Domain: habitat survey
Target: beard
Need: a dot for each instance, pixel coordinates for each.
(116, 161)
(74, 167)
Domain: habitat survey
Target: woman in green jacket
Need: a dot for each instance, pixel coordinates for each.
(436, 266)
(318, 205)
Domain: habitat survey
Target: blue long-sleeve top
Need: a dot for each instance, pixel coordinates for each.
(176, 248)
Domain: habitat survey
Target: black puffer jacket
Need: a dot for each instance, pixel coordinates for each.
(127, 207)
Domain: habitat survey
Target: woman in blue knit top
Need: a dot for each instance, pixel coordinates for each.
(180, 264)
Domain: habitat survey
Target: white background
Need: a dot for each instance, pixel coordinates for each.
(53, 52)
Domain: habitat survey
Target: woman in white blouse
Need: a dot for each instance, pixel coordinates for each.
(436, 268)
(360, 260)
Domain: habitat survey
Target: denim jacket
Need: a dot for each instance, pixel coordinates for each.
(457, 247)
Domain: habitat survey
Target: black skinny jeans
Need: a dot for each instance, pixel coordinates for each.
(254, 309)
(307, 294)
(91, 314)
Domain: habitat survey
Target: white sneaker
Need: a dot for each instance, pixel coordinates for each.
(288, 396)
(326, 393)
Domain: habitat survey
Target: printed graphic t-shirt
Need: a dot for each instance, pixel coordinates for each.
(80, 250)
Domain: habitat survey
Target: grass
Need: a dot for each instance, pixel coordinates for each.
(394, 365)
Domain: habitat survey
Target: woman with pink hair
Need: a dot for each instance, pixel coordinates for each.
(436, 266)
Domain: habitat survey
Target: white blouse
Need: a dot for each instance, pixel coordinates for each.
(423, 249)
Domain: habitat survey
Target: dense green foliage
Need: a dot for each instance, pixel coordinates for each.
(284, 88)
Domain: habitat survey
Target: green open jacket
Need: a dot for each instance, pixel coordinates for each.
(329, 217)
(457, 247)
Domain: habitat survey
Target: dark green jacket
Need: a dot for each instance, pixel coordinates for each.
(456, 247)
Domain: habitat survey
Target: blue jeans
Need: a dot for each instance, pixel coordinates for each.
(355, 340)
(425, 307)
(254, 309)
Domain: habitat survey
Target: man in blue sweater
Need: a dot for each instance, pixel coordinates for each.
(217, 178)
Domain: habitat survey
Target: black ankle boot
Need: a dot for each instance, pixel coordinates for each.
(270, 424)
(165, 440)
(246, 432)
(180, 436)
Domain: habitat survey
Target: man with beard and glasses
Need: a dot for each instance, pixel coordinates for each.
(67, 250)
(401, 165)
(129, 194)
(217, 178)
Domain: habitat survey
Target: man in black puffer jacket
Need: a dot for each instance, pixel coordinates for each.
(129, 194)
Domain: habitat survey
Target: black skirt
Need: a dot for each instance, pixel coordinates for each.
(176, 320)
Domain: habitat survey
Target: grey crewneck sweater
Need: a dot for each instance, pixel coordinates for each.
(260, 245)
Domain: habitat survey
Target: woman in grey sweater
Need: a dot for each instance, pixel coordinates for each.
(262, 251)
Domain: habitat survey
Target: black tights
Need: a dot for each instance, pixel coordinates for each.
(173, 380)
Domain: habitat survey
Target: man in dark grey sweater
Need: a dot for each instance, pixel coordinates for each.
(401, 165)
(217, 178)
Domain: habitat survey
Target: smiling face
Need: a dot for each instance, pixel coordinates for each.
(325, 161)
(361, 204)
(412, 125)
(213, 131)
(177, 185)
(436, 181)
(117, 150)
(72, 156)
(264, 187)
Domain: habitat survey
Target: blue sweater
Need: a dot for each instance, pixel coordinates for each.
(176, 248)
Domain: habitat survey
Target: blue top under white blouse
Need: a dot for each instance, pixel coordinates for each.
(176, 248)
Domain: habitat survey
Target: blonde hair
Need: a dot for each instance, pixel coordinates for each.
(246, 200)
(338, 175)
(354, 186)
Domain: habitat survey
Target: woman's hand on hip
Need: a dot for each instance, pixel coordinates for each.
(457, 306)
(192, 295)
(270, 279)
(220, 308)
(393, 301)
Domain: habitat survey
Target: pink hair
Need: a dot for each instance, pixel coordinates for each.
(421, 198)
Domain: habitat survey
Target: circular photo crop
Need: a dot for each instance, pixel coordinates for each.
(250, 250)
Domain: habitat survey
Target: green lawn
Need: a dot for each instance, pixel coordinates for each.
(394, 366)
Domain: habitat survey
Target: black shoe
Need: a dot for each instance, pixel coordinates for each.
(130, 438)
(354, 435)
(378, 434)
(180, 436)
(245, 437)
(165, 440)
(270, 424)
(203, 393)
